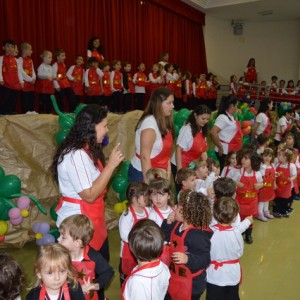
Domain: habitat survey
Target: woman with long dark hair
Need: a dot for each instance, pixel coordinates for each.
(95, 48)
(80, 169)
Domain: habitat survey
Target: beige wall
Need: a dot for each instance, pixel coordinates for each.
(274, 45)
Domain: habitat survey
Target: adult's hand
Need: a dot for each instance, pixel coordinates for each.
(116, 156)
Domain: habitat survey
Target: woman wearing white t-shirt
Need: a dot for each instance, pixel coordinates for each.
(79, 166)
(262, 122)
(153, 136)
(284, 124)
(226, 132)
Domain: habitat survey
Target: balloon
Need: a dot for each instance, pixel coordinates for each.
(16, 221)
(122, 196)
(79, 109)
(246, 139)
(119, 208)
(9, 185)
(2, 173)
(285, 107)
(3, 227)
(212, 154)
(23, 202)
(53, 213)
(2, 238)
(124, 203)
(177, 129)
(252, 122)
(105, 141)
(44, 227)
(124, 168)
(48, 239)
(119, 183)
(185, 112)
(24, 213)
(245, 109)
(66, 121)
(36, 227)
(246, 123)
(181, 116)
(4, 209)
(211, 123)
(14, 213)
(61, 135)
(246, 130)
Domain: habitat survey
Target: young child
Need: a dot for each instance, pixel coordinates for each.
(128, 87)
(137, 196)
(171, 77)
(187, 88)
(105, 84)
(212, 92)
(284, 124)
(155, 173)
(249, 181)
(140, 81)
(224, 273)
(92, 82)
(267, 192)
(61, 82)
(190, 245)
(263, 142)
(154, 79)
(213, 171)
(186, 179)
(116, 84)
(229, 164)
(12, 279)
(286, 174)
(150, 278)
(76, 232)
(29, 77)
(44, 84)
(290, 88)
(201, 169)
(11, 79)
(233, 85)
(55, 273)
(76, 76)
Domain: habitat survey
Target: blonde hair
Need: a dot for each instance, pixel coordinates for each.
(44, 53)
(155, 173)
(79, 227)
(53, 257)
(24, 46)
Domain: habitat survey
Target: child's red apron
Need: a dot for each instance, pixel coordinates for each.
(284, 186)
(267, 193)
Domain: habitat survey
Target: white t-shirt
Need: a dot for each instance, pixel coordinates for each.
(148, 122)
(228, 127)
(76, 173)
(281, 122)
(149, 283)
(262, 119)
(239, 172)
(156, 218)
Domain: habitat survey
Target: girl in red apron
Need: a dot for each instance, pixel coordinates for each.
(55, 275)
(267, 192)
(116, 82)
(286, 175)
(190, 246)
(229, 164)
(251, 73)
(154, 79)
(95, 48)
(249, 181)
(137, 197)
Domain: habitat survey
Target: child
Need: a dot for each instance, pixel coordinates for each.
(11, 79)
(140, 81)
(44, 84)
(287, 173)
(137, 196)
(154, 79)
(11, 278)
(263, 142)
(128, 87)
(155, 173)
(92, 82)
(212, 92)
(280, 88)
(116, 84)
(290, 88)
(76, 232)
(61, 83)
(178, 88)
(249, 181)
(105, 84)
(284, 124)
(233, 85)
(224, 273)
(76, 76)
(213, 170)
(186, 179)
(55, 273)
(267, 192)
(150, 278)
(190, 245)
(29, 77)
(229, 164)
(201, 169)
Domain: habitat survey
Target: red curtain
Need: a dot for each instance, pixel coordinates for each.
(130, 30)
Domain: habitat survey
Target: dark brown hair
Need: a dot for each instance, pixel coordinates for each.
(225, 210)
(224, 187)
(163, 186)
(184, 174)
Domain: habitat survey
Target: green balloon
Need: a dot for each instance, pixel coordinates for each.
(53, 213)
(212, 154)
(180, 119)
(124, 168)
(185, 112)
(246, 139)
(119, 183)
(245, 110)
(9, 185)
(122, 196)
(61, 135)
(211, 123)
(4, 209)
(66, 121)
(2, 173)
(174, 114)
(79, 108)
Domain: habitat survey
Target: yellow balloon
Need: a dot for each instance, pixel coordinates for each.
(24, 213)
(119, 208)
(3, 227)
(38, 236)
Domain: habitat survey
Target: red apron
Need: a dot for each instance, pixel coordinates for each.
(251, 75)
(153, 86)
(146, 266)
(180, 286)
(284, 186)
(235, 143)
(199, 146)
(130, 84)
(268, 127)
(96, 54)
(212, 92)
(77, 84)
(227, 171)
(44, 86)
(63, 290)
(106, 84)
(267, 193)
(117, 81)
(178, 89)
(128, 260)
(27, 67)
(94, 83)
(62, 79)
(95, 211)
(287, 129)
(296, 181)
(247, 195)
(141, 79)
(10, 72)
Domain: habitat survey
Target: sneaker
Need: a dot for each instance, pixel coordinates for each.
(268, 215)
(290, 210)
(297, 197)
(277, 215)
(285, 215)
(262, 218)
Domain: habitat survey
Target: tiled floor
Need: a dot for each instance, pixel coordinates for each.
(271, 265)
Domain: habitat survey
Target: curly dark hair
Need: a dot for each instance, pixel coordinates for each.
(82, 134)
(11, 278)
(198, 111)
(91, 44)
(196, 209)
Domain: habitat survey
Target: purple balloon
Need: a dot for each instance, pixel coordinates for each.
(44, 227)
(105, 141)
(40, 242)
(16, 221)
(24, 202)
(48, 239)
(36, 227)
(14, 213)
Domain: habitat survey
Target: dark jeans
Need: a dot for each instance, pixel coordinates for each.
(27, 101)
(215, 292)
(134, 175)
(69, 95)
(8, 101)
(45, 104)
(127, 102)
(139, 101)
(221, 159)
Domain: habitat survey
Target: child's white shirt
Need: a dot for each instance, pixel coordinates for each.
(153, 215)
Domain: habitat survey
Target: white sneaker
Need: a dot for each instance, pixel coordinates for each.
(268, 215)
(262, 218)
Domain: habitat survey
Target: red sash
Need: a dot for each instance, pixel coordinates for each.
(63, 290)
(94, 83)
(27, 67)
(267, 193)
(77, 84)
(61, 76)
(10, 72)
(235, 143)
(128, 260)
(247, 195)
(284, 186)
(199, 146)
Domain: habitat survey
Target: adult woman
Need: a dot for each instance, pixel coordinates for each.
(250, 73)
(153, 136)
(95, 48)
(262, 121)
(226, 133)
(191, 142)
(79, 166)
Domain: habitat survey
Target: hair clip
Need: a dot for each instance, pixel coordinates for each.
(192, 165)
(156, 176)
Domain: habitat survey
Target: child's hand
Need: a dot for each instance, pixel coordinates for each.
(33, 81)
(210, 193)
(22, 84)
(239, 184)
(171, 218)
(50, 78)
(180, 258)
(258, 186)
(58, 89)
(86, 286)
(250, 218)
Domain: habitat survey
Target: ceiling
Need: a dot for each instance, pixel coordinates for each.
(249, 10)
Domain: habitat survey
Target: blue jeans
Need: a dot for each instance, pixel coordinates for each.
(134, 175)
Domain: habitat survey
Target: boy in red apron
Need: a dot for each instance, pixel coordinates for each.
(93, 271)
(189, 245)
(150, 278)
